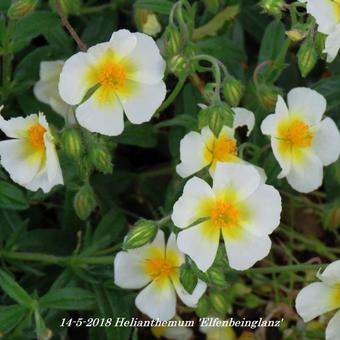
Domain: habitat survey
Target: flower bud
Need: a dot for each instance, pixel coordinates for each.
(203, 306)
(84, 167)
(84, 202)
(101, 159)
(20, 8)
(307, 57)
(177, 65)
(68, 6)
(208, 92)
(272, 7)
(147, 22)
(143, 232)
(188, 278)
(320, 41)
(219, 302)
(296, 35)
(233, 90)
(267, 95)
(217, 277)
(72, 142)
(331, 215)
(172, 40)
(212, 5)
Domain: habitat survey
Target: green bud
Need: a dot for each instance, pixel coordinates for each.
(219, 302)
(101, 159)
(177, 65)
(189, 53)
(203, 306)
(172, 40)
(307, 57)
(320, 41)
(217, 277)
(272, 7)
(143, 232)
(295, 35)
(84, 202)
(188, 278)
(68, 6)
(208, 92)
(72, 142)
(84, 167)
(267, 95)
(233, 91)
(212, 5)
(21, 8)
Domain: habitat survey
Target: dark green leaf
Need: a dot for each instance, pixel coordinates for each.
(158, 6)
(11, 197)
(10, 316)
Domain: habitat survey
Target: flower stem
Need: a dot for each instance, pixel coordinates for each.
(173, 94)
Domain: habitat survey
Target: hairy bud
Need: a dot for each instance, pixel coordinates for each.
(84, 202)
(143, 232)
(21, 8)
(233, 91)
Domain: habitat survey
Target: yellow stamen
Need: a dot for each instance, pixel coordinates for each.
(296, 133)
(36, 136)
(221, 149)
(159, 268)
(224, 214)
(112, 76)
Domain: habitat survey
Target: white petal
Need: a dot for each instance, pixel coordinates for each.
(307, 103)
(17, 127)
(245, 249)
(129, 271)
(333, 328)
(173, 251)
(186, 209)
(326, 141)
(264, 207)
(200, 243)
(284, 161)
(150, 66)
(243, 117)
(324, 13)
(332, 44)
(192, 154)
(158, 300)
(21, 164)
(105, 118)
(331, 274)
(73, 83)
(244, 178)
(190, 299)
(123, 41)
(314, 300)
(140, 105)
(54, 172)
(307, 176)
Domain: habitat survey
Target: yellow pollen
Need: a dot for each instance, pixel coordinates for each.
(36, 136)
(159, 268)
(297, 134)
(223, 148)
(224, 214)
(112, 76)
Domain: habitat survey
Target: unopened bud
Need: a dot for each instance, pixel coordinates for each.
(177, 65)
(295, 35)
(331, 216)
(72, 142)
(219, 302)
(208, 92)
(203, 306)
(268, 96)
(307, 57)
(233, 91)
(272, 7)
(84, 202)
(188, 278)
(212, 5)
(21, 8)
(147, 22)
(217, 277)
(67, 6)
(172, 40)
(101, 159)
(143, 232)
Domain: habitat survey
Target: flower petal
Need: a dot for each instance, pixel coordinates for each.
(307, 103)
(245, 249)
(158, 300)
(142, 103)
(332, 44)
(192, 154)
(54, 172)
(314, 300)
(200, 243)
(243, 117)
(326, 141)
(331, 275)
(186, 210)
(102, 116)
(263, 220)
(307, 175)
(17, 127)
(333, 328)
(244, 178)
(172, 251)
(123, 41)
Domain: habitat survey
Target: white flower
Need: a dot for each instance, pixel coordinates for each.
(30, 156)
(126, 75)
(172, 332)
(322, 297)
(156, 267)
(327, 16)
(198, 150)
(301, 142)
(46, 89)
(238, 205)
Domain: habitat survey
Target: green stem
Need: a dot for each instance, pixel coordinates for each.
(173, 95)
(284, 269)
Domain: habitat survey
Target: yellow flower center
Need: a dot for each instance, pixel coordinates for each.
(297, 134)
(159, 268)
(336, 6)
(112, 76)
(224, 214)
(223, 148)
(36, 136)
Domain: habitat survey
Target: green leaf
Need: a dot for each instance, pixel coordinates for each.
(11, 197)
(11, 288)
(10, 316)
(140, 135)
(329, 87)
(158, 6)
(70, 298)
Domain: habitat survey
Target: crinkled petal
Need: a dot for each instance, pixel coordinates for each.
(326, 141)
(333, 327)
(243, 117)
(307, 103)
(17, 127)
